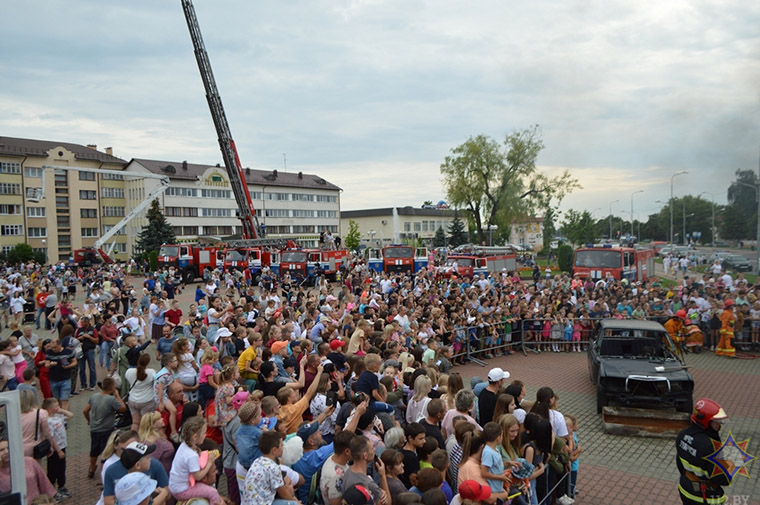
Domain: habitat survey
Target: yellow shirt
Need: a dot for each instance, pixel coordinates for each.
(249, 354)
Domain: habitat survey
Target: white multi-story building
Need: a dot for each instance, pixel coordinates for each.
(380, 227)
(200, 205)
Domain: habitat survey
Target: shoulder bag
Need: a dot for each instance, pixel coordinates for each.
(41, 448)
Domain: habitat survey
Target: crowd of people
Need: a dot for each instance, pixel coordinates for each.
(343, 393)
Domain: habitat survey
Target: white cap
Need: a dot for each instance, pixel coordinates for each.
(497, 374)
(133, 488)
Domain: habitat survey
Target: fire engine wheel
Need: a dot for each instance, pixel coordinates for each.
(601, 400)
(188, 276)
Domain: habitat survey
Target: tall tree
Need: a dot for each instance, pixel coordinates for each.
(439, 240)
(498, 182)
(353, 237)
(157, 231)
(578, 227)
(549, 228)
(457, 233)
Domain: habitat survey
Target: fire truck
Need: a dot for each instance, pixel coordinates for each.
(253, 255)
(308, 263)
(470, 260)
(621, 262)
(398, 258)
(189, 259)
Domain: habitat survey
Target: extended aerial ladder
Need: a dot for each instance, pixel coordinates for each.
(226, 144)
(136, 211)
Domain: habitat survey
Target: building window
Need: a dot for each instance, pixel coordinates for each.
(62, 201)
(107, 228)
(417, 226)
(10, 189)
(216, 193)
(303, 229)
(89, 232)
(64, 241)
(327, 213)
(216, 212)
(302, 197)
(112, 177)
(255, 195)
(331, 228)
(190, 230)
(37, 232)
(303, 213)
(8, 167)
(12, 229)
(277, 196)
(407, 226)
(327, 198)
(86, 176)
(42, 250)
(61, 178)
(36, 212)
(63, 221)
(87, 194)
(7, 249)
(32, 172)
(11, 209)
(112, 192)
(277, 213)
(189, 212)
(113, 211)
(88, 213)
(185, 192)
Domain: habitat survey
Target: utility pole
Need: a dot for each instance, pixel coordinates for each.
(671, 202)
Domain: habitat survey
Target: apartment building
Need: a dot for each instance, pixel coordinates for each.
(200, 205)
(388, 225)
(58, 210)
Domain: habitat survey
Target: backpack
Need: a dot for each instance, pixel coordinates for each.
(315, 491)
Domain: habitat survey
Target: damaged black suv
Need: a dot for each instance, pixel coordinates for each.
(632, 364)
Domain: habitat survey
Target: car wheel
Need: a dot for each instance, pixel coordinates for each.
(601, 400)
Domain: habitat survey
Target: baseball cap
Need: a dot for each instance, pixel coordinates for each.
(360, 495)
(306, 430)
(330, 298)
(134, 452)
(472, 490)
(277, 346)
(337, 344)
(223, 332)
(134, 488)
(497, 374)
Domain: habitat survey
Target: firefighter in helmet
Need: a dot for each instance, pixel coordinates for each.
(699, 484)
(727, 322)
(674, 325)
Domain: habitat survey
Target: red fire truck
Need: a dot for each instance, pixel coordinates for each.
(191, 260)
(469, 260)
(307, 263)
(621, 262)
(398, 258)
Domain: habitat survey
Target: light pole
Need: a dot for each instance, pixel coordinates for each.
(491, 228)
(671, 202)
(639, 191)
(614, 201)
(684, 223)
(712, 224)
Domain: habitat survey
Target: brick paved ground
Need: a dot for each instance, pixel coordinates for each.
(614, 470)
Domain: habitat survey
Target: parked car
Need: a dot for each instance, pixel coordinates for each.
(720, 256)
(632, 364)
(737, 262)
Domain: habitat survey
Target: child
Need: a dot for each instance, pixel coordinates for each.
(575, 451)
(577, 328)
(428, 357)
(56, 467)
(187, 463)
(546, 331)
(269, 409)
(491, 464)
(444, 359)
(415, 439)
(19, 363)
(225, 393)
(425, 452)
(161, 382)
(206, 383)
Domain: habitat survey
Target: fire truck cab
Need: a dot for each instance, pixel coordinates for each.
(469, 261)
(629, 263)
(398, 258)
(308, 263)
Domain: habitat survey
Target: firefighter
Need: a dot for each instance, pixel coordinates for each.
(697, 484)
(674, 325)
(727, 321)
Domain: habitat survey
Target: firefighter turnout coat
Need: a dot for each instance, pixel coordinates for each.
(698, 484)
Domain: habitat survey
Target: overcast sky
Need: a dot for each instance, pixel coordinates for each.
(372, 95)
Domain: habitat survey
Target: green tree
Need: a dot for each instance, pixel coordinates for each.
(549, 229)
(427, 202)
(439, 240)
(21, 253)
(353, 237)
(156, 232)
(578, 227)
(457, 233)
(565, 257)
(497, 182)
(733, 223)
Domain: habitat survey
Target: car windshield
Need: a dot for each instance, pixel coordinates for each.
(634, 344)
(233, 255)
(293, 257)
(168, 250)
(598, 259)
(736, 258)
(398, 252)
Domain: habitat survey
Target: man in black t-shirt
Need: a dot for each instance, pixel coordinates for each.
(432, 423)
(88, 336)
(60, 362)
(487, 397)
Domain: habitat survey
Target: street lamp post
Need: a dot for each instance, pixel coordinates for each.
(614, 201)
(639, 191)
(712, 224)
(671, 202)
(491, 228)
(684, 224)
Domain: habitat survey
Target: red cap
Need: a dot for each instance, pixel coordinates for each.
(472, 490)
(337, 344)
(728, 303)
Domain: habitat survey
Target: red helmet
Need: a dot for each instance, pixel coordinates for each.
(728, 303)
(681, 313)
(706, 410)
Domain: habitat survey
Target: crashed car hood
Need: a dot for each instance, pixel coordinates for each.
(623, 367)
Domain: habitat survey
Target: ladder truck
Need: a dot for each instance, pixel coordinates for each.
(252, 248)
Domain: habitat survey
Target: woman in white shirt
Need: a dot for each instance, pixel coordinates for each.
(417, 408)
(140, 386)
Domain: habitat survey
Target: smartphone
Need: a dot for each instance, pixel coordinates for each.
(332, 399)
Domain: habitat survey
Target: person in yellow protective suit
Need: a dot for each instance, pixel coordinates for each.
(674, 325)
(727, 321)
